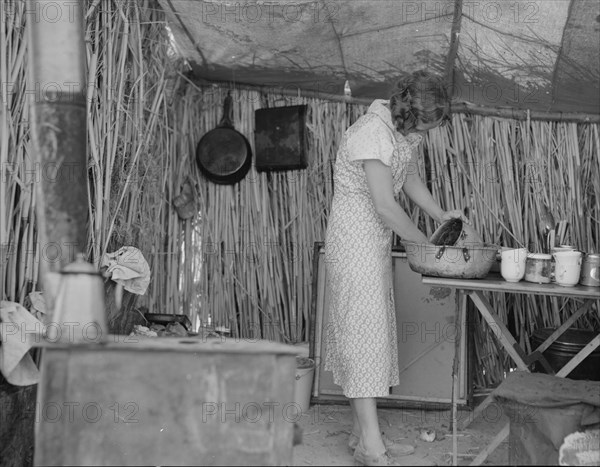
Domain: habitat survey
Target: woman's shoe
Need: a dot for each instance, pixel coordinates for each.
(392, 448)
(362, 458)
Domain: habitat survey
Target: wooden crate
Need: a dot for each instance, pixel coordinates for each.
(175, 401)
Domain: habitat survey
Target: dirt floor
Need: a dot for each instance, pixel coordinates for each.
(326, 428)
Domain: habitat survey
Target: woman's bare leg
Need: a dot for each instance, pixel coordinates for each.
(365, 411)
(355, 421)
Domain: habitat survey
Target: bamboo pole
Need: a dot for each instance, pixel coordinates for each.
(455, 108)
(523, 114)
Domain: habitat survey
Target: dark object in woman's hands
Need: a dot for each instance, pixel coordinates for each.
(455, 232)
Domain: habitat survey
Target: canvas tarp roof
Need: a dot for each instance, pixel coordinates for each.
(542, 55)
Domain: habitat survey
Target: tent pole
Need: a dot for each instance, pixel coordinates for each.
(454, 41)
(457, 107)
(56, 93)
(521, 114)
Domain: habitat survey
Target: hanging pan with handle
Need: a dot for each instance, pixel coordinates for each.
(223, 154)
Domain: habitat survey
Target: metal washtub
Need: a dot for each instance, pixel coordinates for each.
(456, 251)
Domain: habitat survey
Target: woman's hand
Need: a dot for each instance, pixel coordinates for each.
(454, 214)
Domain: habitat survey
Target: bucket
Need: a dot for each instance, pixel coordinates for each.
(305, 372)
(303, 349)
(564, 349)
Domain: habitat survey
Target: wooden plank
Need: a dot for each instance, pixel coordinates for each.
(495, 283)
(319, 282)
(478, 411)
(192, 344)
(483, 455)
(536, 356)
(500, 330)
(581, 355)
(563, 327)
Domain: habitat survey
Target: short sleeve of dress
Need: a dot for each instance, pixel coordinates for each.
(372, 140)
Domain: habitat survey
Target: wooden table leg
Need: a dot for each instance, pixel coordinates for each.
(461, 307)
(566, 325)
(563, 327)
(500, 330)
(506, 339)
(537, 355)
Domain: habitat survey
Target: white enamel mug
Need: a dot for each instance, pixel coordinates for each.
(512, 264)
(567, 267)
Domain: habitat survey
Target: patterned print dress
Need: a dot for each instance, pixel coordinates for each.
(361, 342)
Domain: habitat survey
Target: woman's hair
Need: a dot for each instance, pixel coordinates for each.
(419, 97)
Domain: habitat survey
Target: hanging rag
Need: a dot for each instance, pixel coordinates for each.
(17, 326)
(127, 267)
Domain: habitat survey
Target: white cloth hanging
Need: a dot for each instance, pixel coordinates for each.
(128, 267)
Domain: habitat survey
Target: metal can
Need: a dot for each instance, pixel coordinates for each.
(538, 268)
(590, 270)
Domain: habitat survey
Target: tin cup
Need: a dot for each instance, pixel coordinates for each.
(538, 268)
(590, 270)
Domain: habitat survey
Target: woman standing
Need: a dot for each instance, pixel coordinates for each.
(374, 162)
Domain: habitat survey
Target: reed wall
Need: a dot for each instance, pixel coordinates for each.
(132, 158)
(257, 236)
(246, 259)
